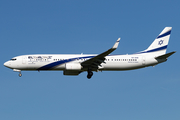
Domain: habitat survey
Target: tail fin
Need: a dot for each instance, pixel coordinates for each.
(160, 43)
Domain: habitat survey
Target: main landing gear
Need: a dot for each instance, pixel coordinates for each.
(90, 74)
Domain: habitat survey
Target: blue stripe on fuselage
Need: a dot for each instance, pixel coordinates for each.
(54, 64)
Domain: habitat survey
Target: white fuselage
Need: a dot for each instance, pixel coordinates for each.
(59, 62)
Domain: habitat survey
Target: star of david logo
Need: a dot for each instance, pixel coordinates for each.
(160, 42)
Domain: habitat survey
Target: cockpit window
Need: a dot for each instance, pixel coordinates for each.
(13, 59)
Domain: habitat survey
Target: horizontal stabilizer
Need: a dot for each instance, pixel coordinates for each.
(165, 56)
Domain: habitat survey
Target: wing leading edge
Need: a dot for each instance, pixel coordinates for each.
(96, 61)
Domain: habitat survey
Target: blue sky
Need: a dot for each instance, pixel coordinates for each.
(88, 26)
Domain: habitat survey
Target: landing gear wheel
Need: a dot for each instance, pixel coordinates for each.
(90, 74)
(20, 74)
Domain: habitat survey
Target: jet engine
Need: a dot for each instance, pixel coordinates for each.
(73, 66)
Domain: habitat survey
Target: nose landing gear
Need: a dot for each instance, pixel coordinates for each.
(16, 70)
(20, 74)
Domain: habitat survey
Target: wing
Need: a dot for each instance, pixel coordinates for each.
(96, 61)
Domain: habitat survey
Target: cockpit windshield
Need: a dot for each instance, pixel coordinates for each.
(13, 59)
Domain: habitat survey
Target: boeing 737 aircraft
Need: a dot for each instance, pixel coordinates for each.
(74, 64)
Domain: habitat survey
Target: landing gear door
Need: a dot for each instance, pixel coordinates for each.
(24, 60)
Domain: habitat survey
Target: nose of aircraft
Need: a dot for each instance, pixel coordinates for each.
(6, 64)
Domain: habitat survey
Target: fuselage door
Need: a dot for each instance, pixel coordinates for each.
(143, 60)
(23, 60)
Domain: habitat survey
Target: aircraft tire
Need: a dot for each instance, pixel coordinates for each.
(90, 74)
(20, 74)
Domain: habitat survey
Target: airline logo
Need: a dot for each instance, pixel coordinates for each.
(160, 42)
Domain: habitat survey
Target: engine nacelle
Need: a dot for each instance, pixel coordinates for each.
(73, 66)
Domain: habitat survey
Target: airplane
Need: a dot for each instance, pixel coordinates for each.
(74, 64)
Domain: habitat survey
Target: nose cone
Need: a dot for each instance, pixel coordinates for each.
(7, 64)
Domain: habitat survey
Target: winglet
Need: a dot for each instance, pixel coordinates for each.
(116, 44)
